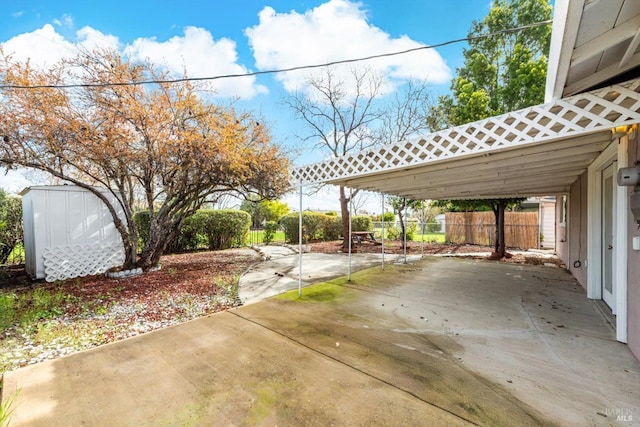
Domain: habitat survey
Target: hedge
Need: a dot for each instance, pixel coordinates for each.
(224, 229)
(318, 226)
(361, 223)
(217, 229)
(311, 226)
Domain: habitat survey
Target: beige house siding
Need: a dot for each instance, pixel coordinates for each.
(571, 246)
(571, 239)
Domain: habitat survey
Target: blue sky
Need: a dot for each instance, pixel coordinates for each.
(223, 37)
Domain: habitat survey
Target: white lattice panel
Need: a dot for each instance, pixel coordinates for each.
(584, 113)
(66, 262)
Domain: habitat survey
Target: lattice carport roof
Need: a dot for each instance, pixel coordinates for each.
(539, 150)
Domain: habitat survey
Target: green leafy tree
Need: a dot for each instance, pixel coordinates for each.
(11, 232)
(501, 73)
(264, 210)
(401, 207)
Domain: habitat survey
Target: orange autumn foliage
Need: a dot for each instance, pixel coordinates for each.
(164, 144)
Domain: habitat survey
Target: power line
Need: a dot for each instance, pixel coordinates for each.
(282, 70)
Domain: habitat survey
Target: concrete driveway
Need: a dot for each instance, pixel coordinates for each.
(435, 342)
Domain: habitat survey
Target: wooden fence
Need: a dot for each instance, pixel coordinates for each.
(521, 229)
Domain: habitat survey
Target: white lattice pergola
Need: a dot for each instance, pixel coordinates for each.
(539, 150)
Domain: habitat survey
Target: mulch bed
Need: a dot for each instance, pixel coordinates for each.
(97, 310)
(417, 248)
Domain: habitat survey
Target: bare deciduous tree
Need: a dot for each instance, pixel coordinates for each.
(339, 116)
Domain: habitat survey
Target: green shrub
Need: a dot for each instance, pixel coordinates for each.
(395, 233)
(190, 236)
(388, 217)
(11, 231)
(226, 228)
(361, 223)
(331, 227)
(270, 228)
(411, 231)
(142, 220)
(433, 226)
(312, 226)
(217, 229)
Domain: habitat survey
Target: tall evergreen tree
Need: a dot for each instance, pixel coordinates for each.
(501, 73)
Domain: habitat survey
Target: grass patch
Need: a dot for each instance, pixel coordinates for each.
(28, 307)
(6, 409)
(322, 292)
(429, 237)
(341, 289)
(257, 237)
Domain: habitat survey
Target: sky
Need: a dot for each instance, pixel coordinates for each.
(209, 38)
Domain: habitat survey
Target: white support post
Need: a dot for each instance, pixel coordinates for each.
(382, 232)
(300, 245)
(422, 243)
(404, 237)
(349, 237)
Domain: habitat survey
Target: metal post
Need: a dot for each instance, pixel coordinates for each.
(349, 237)
(382, 232)
(300, 245)
(422, 243)
(404, 238)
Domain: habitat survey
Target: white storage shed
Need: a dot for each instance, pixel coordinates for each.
(68, 232)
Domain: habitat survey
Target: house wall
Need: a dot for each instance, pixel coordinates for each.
(633, 268)
(562, 246)
(571, 238)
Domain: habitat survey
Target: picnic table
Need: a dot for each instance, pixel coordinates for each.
(360, 237)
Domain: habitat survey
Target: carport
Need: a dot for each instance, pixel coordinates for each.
(536, 151)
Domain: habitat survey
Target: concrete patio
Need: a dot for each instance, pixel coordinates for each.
(439, 341)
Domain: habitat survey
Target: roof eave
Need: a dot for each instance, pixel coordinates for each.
(566, 22)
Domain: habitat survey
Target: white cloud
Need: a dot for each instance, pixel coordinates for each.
(65, 21)
(43, 47)
(90, 39)
(201, 56)
(196, 52)
(333, 31)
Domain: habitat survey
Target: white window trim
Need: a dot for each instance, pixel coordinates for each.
(616, 151)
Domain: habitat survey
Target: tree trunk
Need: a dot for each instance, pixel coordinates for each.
(344, 211)
(402, 226)
(157, 243)
(496, 217)
(502, 249)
